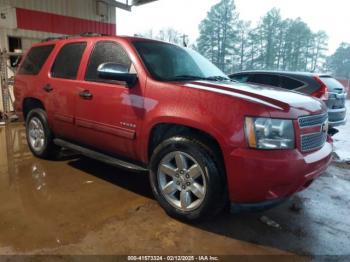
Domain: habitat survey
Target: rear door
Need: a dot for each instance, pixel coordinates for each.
(28, 81)
(109, 113)
(62, 86)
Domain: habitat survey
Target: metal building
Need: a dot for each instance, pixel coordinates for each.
(24, 22)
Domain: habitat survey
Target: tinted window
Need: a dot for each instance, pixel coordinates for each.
(264, 79)
(240, 78)
(106, 52)
(167, 62)
(35, 60)
(68, 60)
(289, 83)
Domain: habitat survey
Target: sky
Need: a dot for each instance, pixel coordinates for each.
(185, 15)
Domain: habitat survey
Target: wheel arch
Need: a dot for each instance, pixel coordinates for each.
(30, 103)
(162, 130)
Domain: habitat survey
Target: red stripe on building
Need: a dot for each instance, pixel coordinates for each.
(59, 24)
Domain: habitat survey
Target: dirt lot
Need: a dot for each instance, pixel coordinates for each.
(79, 206)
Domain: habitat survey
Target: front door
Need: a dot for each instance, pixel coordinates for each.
(109, 113)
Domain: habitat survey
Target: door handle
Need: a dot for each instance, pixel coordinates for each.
(48, 88)
(86, 95)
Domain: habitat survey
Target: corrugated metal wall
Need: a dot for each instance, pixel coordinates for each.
(82, 9)
(85, 9)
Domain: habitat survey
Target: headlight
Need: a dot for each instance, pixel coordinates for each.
(268, 133)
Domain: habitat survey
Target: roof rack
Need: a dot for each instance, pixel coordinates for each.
(54, 38)
(85, 34)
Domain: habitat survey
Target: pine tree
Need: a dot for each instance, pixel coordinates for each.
(339, 62)
(218, 33)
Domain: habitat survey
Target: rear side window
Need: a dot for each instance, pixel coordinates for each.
(68, 60)
(264, 79)
(35, 60)
(106, 52)
(290, 84)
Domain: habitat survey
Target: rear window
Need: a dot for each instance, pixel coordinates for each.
(332, 83)
(290, 84)
(265, 79)
(35, 60)
(68, 60)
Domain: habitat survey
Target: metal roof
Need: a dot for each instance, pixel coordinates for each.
(127, 4)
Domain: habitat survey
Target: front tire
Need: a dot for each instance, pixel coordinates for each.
(186, 180)
(39, 135)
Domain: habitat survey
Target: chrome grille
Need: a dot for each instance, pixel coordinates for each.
(315, 120)
(313, 141)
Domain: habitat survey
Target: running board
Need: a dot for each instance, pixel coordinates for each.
(100, 157)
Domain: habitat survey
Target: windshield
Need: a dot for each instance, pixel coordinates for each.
(167, 62)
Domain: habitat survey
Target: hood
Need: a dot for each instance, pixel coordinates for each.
(275, 98)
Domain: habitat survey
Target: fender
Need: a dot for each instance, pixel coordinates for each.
(181, 121)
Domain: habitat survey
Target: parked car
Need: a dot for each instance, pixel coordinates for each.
(151, 106)
(321, 86)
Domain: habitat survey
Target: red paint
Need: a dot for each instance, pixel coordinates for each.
(216, 109)
(322, 92)
(59, 24)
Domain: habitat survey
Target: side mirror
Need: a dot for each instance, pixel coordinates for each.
(117, 72)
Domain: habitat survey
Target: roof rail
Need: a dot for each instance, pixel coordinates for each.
(54, 38)
(85, 34)
(91, 34)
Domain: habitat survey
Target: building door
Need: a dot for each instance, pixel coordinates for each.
(15, 45)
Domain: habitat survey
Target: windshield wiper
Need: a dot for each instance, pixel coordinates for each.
(218, 78)
(187, 77)
(211, 78)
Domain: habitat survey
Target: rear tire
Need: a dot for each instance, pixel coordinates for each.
(186, 180)
(40, 136)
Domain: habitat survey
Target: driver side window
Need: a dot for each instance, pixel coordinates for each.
(106, 52)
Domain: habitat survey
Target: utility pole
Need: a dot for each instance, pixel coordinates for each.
(185, 40)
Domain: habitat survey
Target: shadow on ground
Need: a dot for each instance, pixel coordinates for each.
(313, 222)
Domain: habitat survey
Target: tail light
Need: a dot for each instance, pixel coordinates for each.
(322, 92)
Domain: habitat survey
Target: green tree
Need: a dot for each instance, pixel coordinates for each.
(320, 46)
(170, 35)
(253, 51)
(339, 62)
(277, 44)
(218, 34)
(270, 30)
(243, 47)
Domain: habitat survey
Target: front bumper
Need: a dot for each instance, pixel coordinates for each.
(256, 176)
(337, 117)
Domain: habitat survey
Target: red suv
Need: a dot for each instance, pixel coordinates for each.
(147, 105)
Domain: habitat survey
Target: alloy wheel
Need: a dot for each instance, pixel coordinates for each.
(36, 134)
(182, 181)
